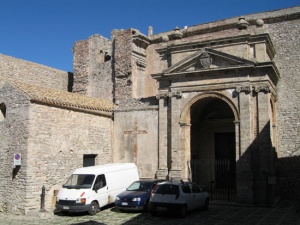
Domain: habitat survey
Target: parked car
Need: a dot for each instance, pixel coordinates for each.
(137, 196)
(178, 197)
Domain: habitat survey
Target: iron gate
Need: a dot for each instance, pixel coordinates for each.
(218, 176)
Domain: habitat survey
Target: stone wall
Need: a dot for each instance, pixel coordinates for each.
(57, 147)
(29, 72)
(14, 139)
(287, 44)
(144, 122)
(52, 142)
(284, 36)
(92, 67)
(122, 56)
(80, 66)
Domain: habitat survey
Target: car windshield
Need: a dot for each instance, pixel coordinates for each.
(169, 189)
(139, 186)
(80, 181)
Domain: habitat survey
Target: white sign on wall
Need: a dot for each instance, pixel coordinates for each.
(17, 159)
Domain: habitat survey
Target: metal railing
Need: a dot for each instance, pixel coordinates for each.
(218, 176)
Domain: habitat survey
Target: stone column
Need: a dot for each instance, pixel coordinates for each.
(243, 170)
(162, 171)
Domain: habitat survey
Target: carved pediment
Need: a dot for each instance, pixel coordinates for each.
(206, 59)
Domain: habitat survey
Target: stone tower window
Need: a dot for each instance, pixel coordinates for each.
(2, 111)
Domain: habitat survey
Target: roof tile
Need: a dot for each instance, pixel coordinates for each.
(63, 98)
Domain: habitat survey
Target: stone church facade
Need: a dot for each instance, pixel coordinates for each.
(217, 103)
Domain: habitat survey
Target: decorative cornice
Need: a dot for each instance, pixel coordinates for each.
(169, 94)
(142, 108)
(262, 88)
(268, 17)
(141, 40)
(141, 63)
(246, 89)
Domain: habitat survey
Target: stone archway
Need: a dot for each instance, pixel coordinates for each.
(185, 114)
(212, 140)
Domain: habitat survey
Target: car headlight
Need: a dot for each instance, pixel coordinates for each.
(118, 198)
(136, 199)
(81, 200)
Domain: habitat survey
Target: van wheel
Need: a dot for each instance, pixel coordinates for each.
(183, 211)
(64, 213)
(94, 208)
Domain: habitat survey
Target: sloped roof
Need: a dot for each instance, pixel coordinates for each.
(63, 99)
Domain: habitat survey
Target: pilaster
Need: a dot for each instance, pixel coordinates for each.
(264, 187)
(169, 136)
(244, 162)
(185, 148)
(177, 156)
(162, 171)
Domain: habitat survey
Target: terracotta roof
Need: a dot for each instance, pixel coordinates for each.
(64, 98)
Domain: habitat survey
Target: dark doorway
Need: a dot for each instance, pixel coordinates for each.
(213, 163)
(225, 160)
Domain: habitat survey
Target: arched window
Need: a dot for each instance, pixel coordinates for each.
(2, 111)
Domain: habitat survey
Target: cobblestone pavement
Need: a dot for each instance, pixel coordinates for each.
(285, 213)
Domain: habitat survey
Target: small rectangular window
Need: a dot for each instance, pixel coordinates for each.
(252, 51)
(89, 160)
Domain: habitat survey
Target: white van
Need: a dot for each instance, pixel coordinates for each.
(90, 188)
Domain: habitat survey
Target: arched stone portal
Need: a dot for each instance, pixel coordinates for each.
(213, 138)
(220, 111)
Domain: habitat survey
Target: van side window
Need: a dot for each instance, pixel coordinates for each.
(100, 182)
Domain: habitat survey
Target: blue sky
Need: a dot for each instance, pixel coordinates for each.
(44, 31)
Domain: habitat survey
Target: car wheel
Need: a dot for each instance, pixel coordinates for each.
(146, 206)
(94, 208)
(183, 211)
(206, 203)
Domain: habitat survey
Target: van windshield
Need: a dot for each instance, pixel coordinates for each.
(79, 181)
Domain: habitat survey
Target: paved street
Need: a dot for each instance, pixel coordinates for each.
(286, 213)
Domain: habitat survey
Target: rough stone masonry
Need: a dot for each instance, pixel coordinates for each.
(177, 103)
